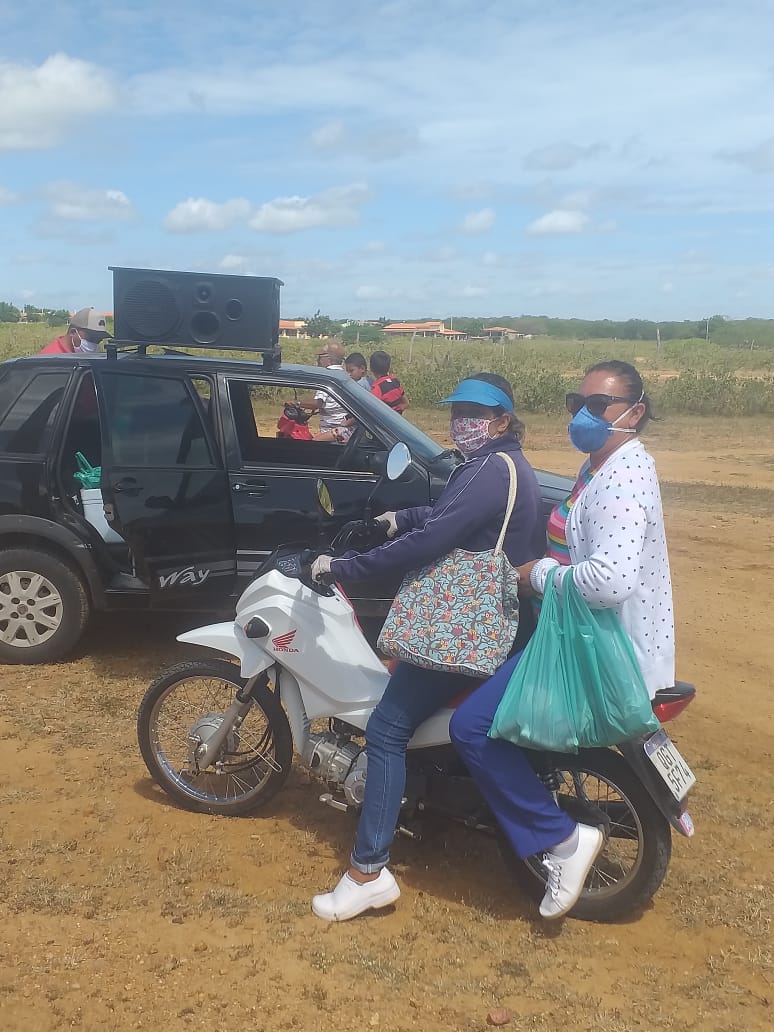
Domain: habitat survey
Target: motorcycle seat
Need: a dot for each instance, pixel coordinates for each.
(679, 690)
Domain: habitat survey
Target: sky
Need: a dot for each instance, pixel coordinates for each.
(604, 159)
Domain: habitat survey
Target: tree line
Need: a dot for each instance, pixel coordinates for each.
(739, 333)
(53, 316)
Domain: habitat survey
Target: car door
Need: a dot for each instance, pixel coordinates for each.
(274, 482)
(166, 487)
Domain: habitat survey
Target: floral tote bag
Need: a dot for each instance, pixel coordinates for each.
(460, 613)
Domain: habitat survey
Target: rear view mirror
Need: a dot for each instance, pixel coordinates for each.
(398, 461)
(324, 497)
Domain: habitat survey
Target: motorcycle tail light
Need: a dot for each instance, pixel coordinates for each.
(669, 709)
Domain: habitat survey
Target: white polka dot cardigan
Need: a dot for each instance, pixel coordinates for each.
(617, 545)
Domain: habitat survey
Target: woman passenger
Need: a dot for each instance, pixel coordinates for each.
(608, 535)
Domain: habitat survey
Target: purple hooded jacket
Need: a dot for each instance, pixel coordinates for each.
(468, 514)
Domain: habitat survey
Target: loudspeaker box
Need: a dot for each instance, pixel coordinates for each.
(196, 309)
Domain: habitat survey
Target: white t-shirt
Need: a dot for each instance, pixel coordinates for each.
(332, 414)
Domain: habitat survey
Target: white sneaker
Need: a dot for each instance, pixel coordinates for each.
(350, 898)
(566, 876)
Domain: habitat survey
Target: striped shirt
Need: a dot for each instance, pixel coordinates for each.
(556, 528)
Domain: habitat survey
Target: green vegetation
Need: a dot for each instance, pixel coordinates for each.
(688, 376)
(737, 333)
(363, 334)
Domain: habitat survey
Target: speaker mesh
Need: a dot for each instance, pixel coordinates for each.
(151, 310)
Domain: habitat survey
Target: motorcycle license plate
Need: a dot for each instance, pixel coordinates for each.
(677, 775)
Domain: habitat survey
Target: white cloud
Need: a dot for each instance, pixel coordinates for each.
(490, 258)
(231, 262)
(40, 105)
(444, 253)
(471, 290)
(559, 221)
(339, 206)
(8, 196)
(199, 214)
(558, 157)
(72, 202)
(328, 135)
(371, 292)
(478, 221)
(758, 159)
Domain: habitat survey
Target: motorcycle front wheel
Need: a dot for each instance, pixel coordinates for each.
(638, 845)
(182, 707)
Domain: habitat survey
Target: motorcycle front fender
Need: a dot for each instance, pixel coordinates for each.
(231, 639)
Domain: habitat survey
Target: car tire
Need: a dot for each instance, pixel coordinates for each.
(44, 606)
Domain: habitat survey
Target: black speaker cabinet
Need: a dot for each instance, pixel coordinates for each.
(196, 309)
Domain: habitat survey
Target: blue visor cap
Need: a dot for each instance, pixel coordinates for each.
(480, 393)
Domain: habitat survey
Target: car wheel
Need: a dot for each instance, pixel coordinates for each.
(44, 607)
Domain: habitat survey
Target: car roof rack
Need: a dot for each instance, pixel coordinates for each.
(271, 359)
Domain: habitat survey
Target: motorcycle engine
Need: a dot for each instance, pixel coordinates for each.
(354, 783)
(334, 760)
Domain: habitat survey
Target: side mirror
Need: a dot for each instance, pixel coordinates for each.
(324, 499)
(398, 461)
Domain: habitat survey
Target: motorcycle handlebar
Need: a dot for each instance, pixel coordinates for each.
(359, 536)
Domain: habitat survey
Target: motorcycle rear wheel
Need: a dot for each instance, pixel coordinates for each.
(634, 861)
(255, 761)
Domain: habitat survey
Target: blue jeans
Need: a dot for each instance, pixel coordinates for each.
(524, 808)
(411, 696)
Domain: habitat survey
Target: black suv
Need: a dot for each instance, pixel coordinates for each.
(196, 486)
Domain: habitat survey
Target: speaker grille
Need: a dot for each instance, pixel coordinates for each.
(205, 326)
(151, 310)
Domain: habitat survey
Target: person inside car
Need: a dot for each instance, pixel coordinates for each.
(336, 424)
(83, 335)
(608, 535)
(468, 514)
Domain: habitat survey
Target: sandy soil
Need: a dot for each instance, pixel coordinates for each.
(120, 911)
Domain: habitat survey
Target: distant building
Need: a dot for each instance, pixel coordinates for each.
(428, 328)
(502, 333)
(293, 328)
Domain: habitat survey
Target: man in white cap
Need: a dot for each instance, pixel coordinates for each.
(84, 332)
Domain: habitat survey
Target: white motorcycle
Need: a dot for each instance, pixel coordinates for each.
(219, 736)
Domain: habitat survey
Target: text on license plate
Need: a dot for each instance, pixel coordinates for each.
(663, 754)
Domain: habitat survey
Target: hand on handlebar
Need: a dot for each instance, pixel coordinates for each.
(321, 567)
(388, 518)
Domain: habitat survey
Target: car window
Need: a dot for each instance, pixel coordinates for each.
(154, 422)
(26, 425)
(256, 410)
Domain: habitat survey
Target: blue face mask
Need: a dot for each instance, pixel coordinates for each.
(589, 433)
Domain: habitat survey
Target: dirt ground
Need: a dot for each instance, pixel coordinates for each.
(120, 911)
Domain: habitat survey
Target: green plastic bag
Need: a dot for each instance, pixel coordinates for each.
(88, 475)
(578, 684)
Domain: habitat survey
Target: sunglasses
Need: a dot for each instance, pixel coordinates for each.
(597, 404)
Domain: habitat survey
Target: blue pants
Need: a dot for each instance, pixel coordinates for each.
(524, 808)
(411, 696)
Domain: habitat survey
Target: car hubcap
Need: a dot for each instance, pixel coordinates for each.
(31, 609)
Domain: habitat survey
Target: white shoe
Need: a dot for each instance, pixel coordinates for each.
(566, 876)
(350, 898)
